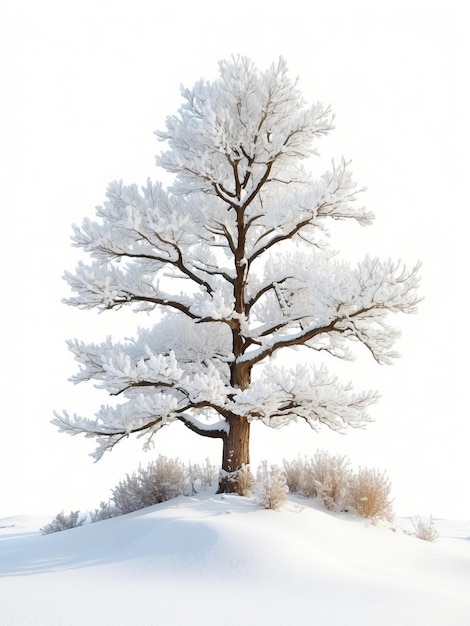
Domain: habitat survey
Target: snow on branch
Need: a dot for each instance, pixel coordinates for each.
(152, 228)
(145, 414)
(336, 195)
(229, 133)
(324, 297)
(300, 210)
(105, 286)
(118, 366)
(281, 396)
(144, 223)
(132, 366)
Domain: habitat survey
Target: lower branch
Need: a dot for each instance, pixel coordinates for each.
(215, 431)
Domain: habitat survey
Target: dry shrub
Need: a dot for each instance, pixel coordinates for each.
(208, 473)
(106, 510)
(161, 480)
(64, 522)
(294, 472)
(199, 477)
(327, 477)
(270, 487)
(425, 529)
(244, 480)
(370, 494)
(192, 473)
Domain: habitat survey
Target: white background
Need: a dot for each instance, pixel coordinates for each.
(83, 87)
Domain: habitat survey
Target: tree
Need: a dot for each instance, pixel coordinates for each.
(232, 261)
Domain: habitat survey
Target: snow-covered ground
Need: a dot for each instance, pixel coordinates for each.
(212, 559)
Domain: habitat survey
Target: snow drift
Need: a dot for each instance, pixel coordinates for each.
(213, 559)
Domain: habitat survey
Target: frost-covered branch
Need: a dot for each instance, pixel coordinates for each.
(107, 287)
(223, 143)
(216, 430)
(281, 396)
(143, 416)
(351, 303)
(333, 196)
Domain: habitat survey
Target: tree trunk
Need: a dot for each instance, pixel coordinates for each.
(236, 453)
(236, 450)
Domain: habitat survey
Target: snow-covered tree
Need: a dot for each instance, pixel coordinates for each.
(232, 260)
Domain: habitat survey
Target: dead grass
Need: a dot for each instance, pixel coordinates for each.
(370, 494)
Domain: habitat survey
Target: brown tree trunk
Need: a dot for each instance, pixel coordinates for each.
(236, 450)
(236, 453)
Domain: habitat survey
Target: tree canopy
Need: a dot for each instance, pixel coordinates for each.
(233, 261)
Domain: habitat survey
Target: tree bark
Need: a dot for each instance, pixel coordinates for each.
(236, 446)
(236, 453)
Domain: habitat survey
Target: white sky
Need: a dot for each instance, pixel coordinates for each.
(83, 87)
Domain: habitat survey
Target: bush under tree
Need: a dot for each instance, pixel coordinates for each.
(328, 477)
(162, 480)
(331, 479)
(324, 476)
(370, 494)
(270, 487)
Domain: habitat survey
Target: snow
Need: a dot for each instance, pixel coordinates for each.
(211, 559)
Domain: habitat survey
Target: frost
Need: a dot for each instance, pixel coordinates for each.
(285, 395)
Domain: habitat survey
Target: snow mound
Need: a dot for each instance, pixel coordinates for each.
(213, 559)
